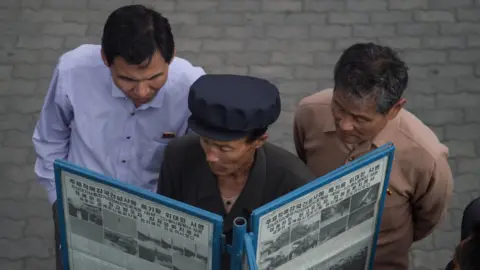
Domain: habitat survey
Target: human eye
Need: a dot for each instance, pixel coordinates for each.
(225, 149)
(127, 79)
(361, 120)
(155, 77)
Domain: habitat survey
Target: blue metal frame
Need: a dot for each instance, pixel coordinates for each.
(379, 153)
(236, 250)
(250, 251)
(64, 166)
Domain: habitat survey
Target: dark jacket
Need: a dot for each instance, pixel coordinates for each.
(186, 177)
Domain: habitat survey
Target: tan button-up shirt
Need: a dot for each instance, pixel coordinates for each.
(420, 182)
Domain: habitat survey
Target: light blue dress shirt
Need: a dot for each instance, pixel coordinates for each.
(88, 121)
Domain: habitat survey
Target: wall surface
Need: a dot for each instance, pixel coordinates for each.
(294, 43)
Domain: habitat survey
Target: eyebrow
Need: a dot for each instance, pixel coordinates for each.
(136, 80)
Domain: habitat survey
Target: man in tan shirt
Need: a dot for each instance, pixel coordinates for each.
(363, 112)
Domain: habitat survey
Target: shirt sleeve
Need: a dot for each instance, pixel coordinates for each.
(299, 133)
(431, 198)
(51, 136)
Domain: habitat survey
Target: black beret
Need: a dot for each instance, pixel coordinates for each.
(229, 107)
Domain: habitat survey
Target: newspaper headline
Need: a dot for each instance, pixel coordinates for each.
(128, 206)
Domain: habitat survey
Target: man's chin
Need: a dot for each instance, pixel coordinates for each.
(217, 170)
(349, 139)
(142, 100)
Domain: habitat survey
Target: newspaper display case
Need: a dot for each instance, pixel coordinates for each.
(109, 225)
(328, 224)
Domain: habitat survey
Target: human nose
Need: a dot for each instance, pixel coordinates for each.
(211, 154)
(346, 124)
(142, 90)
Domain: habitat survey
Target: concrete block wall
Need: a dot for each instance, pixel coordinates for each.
(294, 43)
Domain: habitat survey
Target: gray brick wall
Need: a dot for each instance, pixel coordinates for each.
(294, 43)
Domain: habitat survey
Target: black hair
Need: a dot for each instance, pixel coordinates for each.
(369, 70)
(467, 253)
(135, 33)
(255, 134)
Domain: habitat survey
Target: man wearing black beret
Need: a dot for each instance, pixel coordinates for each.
(227, 167)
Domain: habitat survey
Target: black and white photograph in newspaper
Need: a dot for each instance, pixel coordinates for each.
(170, 251)
(120, 232)
(87, 212)
(119, 223)
(270, 246)
(355, 257)
(122, 242)
(335, 211)
(304, 227)
(365, 197)
(154, 247)
(303, 245)
(292, 242)
(187, 255)
(361, 215)
(85, 220)
(333, 229)
(276, 259)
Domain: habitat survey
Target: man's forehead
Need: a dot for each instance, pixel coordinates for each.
(140, 72)
(155, 59)
(355, 104)
(225, 143)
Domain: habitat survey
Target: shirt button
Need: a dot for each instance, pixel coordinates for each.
(123, 161)
(132, 114)
(128, 137)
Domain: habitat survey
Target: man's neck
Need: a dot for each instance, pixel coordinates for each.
(240, 176)
(238, 179)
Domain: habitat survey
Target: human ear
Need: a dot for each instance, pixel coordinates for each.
(260, 141)
(396, 109)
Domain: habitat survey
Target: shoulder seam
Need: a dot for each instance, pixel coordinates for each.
(432, 155)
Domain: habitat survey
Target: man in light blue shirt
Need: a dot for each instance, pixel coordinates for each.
(113, 108)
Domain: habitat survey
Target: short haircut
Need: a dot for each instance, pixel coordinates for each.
(135, 33)
(368, 70)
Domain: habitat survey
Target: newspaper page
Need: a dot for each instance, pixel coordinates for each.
(110, 229)
(326, 228)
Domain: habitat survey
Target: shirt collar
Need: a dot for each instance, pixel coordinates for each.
(157, 101)
(329, 125)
